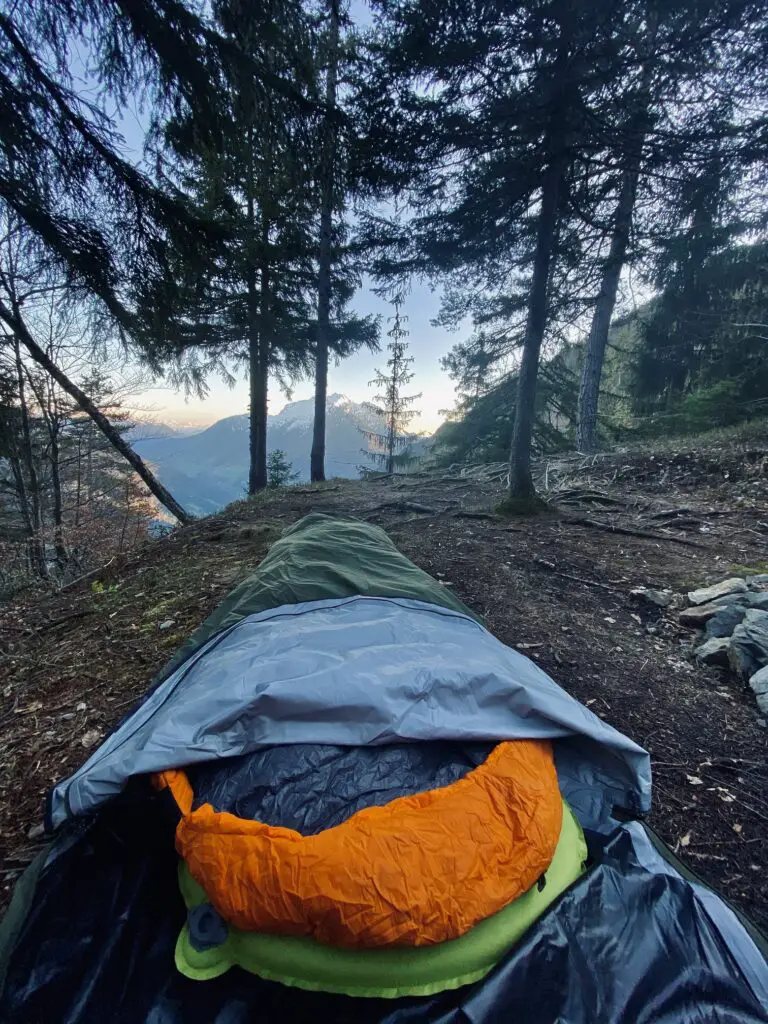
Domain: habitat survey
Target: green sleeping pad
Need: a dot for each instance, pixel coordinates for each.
(387, 972)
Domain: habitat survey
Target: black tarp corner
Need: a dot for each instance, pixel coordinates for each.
(623, 944)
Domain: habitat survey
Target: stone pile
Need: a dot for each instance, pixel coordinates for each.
(734, 617)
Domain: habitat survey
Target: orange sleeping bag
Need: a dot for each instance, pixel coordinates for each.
(419, 870)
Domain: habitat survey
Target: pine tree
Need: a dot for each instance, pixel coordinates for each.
(279, 469)
(254, 304)
(327, 176)
(63, 174)
(490, 131)
(496, 128)
(268, 189)
(470, 364)
(28, 280)
(667, 119)
(482, 432)
(701, 354)
(64, 488)
(86, 210)
(392, 448)
(631, 159)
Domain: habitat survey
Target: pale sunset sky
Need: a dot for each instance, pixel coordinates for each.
(427, 345)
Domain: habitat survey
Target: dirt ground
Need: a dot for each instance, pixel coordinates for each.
(556, 586)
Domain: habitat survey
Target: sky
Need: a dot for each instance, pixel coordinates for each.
(427, 345)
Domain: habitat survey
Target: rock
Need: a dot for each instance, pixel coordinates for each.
(756, 618)
(82, 706)
(654, 597)
(762, 702)
(740, 656)
(725, 620)
(749, 644)
(167, 624)
(749, 599)
(735, 585)
(714, 651)
(758, 582)
(36, 832)
(698, 616)
(759, 681)
(90, 738)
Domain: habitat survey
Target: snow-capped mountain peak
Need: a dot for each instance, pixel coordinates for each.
(296, 415)
(209, 469)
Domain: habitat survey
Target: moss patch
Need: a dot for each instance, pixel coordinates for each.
(757, 569)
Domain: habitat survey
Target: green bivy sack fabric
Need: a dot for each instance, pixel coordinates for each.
(387, 973)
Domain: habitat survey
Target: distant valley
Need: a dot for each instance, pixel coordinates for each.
(209, 469)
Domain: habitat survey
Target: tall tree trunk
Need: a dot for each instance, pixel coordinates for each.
(521, 489)
(36, 542)
(53, 422)
(327, 171)
(392, 414)
(17, 325)
(58, 506)
(89, 465)
(126, 516)
(79, 486)
(586, 430)
(258, 330)
(263, 393)
(589, 390)
(46, 400)
(255, 481)
(258, 359)
(26, 514)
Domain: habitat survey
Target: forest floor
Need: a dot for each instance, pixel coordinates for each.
(555, 586)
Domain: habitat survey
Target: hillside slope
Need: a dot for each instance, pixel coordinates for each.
(556, 587)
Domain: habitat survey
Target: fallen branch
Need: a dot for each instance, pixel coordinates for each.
(682, 518)
(682, 524)
(469, 514)
(77, 697)
(64, 618)
(625, 531)
(490, 473)
(578, 494)
(86, 576)
(407, 506)
(671, 513)
(569, 576)
(314, 490)
(751, 809)
(12, 318)
(734, 763)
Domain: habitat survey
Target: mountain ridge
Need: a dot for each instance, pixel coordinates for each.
(208, 469)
